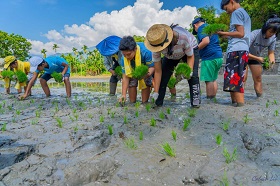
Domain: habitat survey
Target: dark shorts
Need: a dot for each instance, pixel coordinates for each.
(235, 69)
(254, 62)
(47, 77)
(134, 82)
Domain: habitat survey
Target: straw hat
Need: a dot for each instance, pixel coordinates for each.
(158, 37)
(8, 60)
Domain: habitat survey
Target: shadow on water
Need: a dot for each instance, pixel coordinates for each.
(88, 86)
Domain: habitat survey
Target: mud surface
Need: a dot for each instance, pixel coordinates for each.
(60, 141)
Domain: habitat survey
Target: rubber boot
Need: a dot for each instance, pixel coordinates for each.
(113, 87)
(195, 98)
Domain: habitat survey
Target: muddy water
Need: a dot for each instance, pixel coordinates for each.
(60, 141)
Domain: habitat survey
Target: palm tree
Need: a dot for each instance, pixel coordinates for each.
(44, 51)
(55, 46)
(84, 48)
(74, 50)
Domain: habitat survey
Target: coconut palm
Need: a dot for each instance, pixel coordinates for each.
(44, 51)
(55, 47)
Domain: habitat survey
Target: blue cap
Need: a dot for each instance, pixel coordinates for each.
(109, 45)
(196, 20)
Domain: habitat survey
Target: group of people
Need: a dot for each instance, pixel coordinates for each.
(164, 47)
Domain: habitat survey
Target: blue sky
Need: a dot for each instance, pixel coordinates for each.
(73, 23)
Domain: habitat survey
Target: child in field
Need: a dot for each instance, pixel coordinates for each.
(49, 65)
(237, 51)
(13, 64)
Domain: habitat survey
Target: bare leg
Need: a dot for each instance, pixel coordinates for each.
(67, 86)
(132, 92)
(146, 94)
(257, 77)
(45, 87)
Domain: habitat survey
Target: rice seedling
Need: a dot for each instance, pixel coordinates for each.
(81, 104)
(118, 71)
(266, 63)
(110, 129)
(68, 101)
(18, 112)
(191, 112)
(174, 135)
(168, 110)
(101, 118)
(125, 109)
(108, 111)
(90, 116)
(219, 139)
(224, 181)
(267, 104)
(57, 77)
(276, 113)
(172, 82)
(32, 101)
(4, 127)
(72, 118)
(161, 115)
(168, 149)
(7, 74)
(214, 28)
(14, 120)
(38, 113)
(130, 143)
(230, 158)
(275, 102)
(246, 118)
(74, 110)
(76, 116)
(112, 114)
(76, 97)
(76, 128)
(186, 124)
(137, 113)
(125, 119)
(10, 107)
(34, 121)
(225, 125)
(21, 76)
(153, 122)
(137, 104)
(214, 99)
(59, 122)
(148, 107)
(140, 71)
(182, 70)
(141, 135)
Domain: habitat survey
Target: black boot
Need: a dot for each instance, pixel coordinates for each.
(113, 87)
(195, 98)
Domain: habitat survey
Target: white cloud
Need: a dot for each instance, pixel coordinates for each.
(131, 20)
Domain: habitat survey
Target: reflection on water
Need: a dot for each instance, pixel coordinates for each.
(90, 86)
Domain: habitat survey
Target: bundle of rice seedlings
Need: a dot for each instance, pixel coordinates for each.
(172, 82)
(140, 71)
(214, 28)
(183, 70)
(21, 76)
(57, 77)
(266, 63)
(118, 71)
(7, 74)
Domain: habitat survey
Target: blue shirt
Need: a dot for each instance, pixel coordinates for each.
(213, 49)
(55, 65)
(239, 17)
(146, 57)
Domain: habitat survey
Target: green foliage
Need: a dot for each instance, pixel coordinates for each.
(4, 127)
(276, 113)
(59, 122)
(130, 143)
(191, 112)
(219, 139)
(168, 110)
(225, 181)
(137, 113)
(13, 44)
(225, 125)
(7, 74)
(118, 71)
(230, 158)
(214, 28)
(125, 120)
(141, 135)
(140, 71)
(168, 149)
(161, 115)
(148, 107)
(246, 118)
(172, 82)
(57, 77)
(182, 70)
(21, 76)
(174, 135)
(101, 118)
(153, 122)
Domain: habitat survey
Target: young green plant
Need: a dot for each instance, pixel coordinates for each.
(174, 135)
(168, 149)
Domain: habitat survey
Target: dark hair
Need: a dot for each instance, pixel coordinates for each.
(272, 23)
(225, 2)
(42, 63)
(127, 43)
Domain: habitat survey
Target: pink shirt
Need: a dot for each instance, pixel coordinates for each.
(184, 46)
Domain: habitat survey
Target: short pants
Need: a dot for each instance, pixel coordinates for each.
(210, 68)
(235, 69)
(47, 77)
(134, 82)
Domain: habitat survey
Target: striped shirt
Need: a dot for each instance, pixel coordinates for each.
(184, 46)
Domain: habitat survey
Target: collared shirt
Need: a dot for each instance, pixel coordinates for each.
(185, 45)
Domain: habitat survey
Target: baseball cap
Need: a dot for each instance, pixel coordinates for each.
(34, 62)
(196, 20)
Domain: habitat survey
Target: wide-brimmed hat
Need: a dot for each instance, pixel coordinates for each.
(158, 37)
(109, 45)
(8, 60)
(34, 62)
(196, 20)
